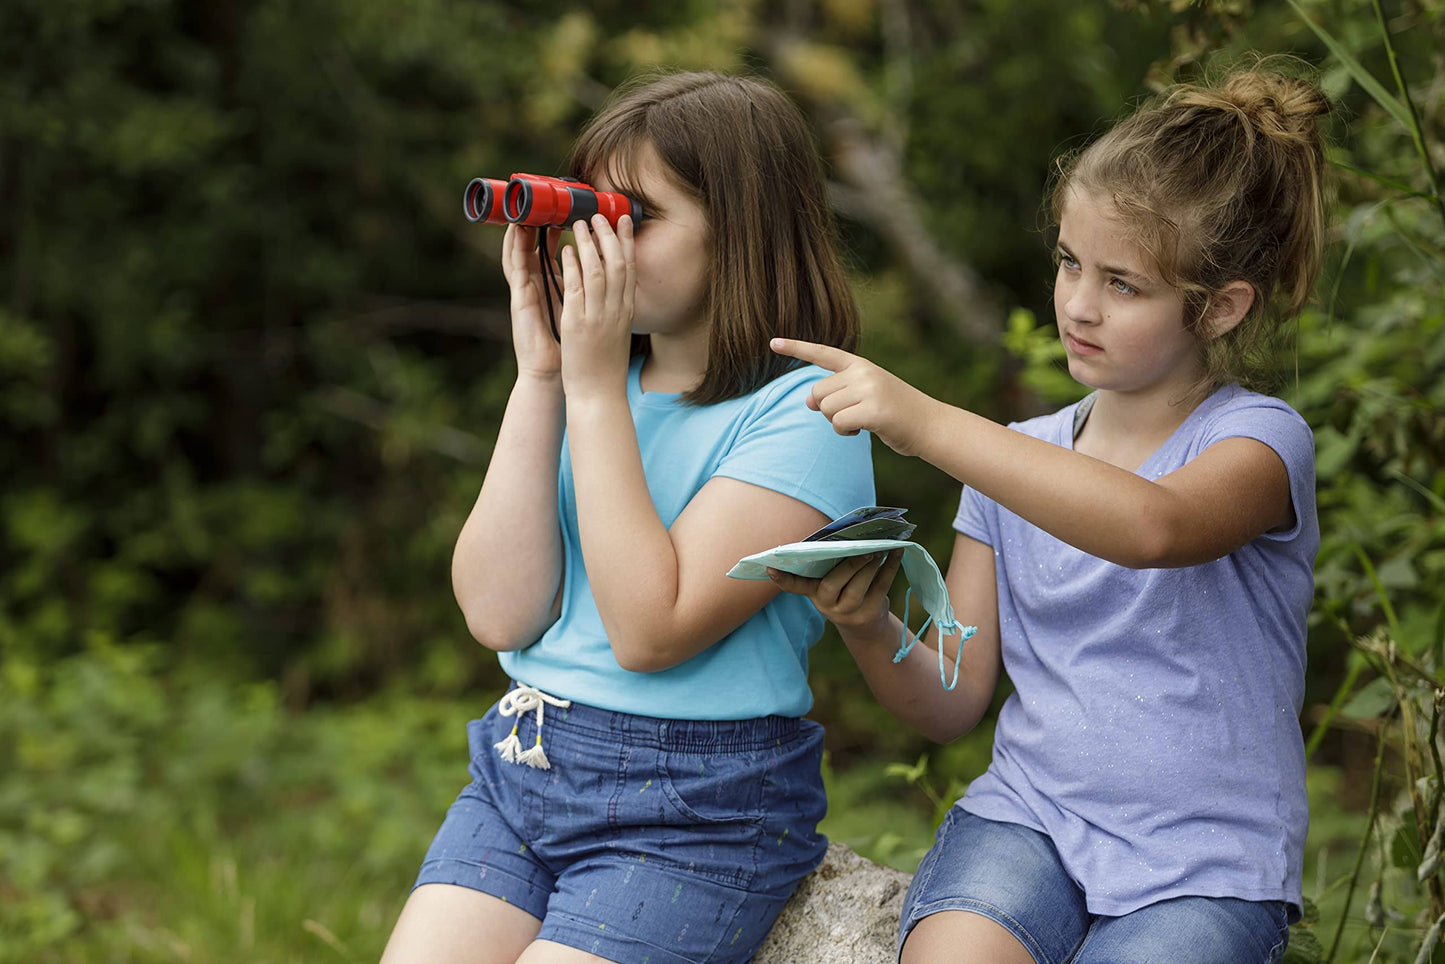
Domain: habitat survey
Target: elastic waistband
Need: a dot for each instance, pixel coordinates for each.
(676, 735)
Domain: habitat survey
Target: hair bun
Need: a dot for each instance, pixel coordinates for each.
(1275, 103)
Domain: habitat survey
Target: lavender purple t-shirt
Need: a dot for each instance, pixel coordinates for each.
(1154, 732)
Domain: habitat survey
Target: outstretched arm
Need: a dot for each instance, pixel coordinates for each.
(1233, 492)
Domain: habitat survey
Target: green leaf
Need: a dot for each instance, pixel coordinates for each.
(912, 774)
(1374, 699)
(1357, 70)
(1388, 182)
(1405, 850)
(1309, 914)
(1380, 592)
(1304, 947)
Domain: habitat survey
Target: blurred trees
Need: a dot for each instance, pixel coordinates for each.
(254, 358)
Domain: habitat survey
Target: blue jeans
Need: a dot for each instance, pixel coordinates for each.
(649, 841)
(1012, 875)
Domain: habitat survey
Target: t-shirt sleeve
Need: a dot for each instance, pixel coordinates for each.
(1283, 429)
(972, 518)
(789, 448)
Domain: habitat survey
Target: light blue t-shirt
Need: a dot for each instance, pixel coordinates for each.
(1154, 731)
(769, 438)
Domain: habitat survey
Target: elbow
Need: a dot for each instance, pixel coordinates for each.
(945, 731)
(940, 735)
(642, 659)
(1150, 551)
(490, 638)
(646, 652)
(495, 635)
(1164, 548)
(1159, 542)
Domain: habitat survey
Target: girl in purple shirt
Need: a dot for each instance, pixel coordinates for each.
(1140, 563)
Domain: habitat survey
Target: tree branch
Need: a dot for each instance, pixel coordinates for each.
(876, 191)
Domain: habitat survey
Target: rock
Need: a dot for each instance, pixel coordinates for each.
(845, 912)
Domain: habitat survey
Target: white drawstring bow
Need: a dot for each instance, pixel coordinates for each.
(526, 699)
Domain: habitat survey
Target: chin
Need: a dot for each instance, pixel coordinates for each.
(1078, 374)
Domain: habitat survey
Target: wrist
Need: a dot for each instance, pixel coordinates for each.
(534, 379)
(943, 430)
(870, 634)
(594, 390)
(591, 402)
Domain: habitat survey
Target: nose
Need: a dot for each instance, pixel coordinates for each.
(1076, 301)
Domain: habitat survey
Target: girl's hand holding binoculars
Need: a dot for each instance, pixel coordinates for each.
(538, 354)
(599, 281)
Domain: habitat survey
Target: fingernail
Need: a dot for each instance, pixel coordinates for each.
(579, 226)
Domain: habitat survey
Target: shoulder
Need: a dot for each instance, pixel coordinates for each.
(780, 407)
(784, 397)
(1233, 411)
(781, 444)
(1232, 401)
(796, 382)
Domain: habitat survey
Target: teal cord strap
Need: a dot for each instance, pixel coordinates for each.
(906, 645)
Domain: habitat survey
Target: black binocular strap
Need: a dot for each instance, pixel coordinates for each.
(550, 284)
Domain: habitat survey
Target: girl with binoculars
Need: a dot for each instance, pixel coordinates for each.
(648, 789)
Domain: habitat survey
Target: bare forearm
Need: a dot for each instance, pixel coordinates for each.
(507, 564)
(1103, 510)
(618, 522)
(911, 689)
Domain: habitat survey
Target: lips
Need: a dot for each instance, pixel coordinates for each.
(1080, 347)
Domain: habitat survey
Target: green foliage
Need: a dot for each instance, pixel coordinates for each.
(154, 816)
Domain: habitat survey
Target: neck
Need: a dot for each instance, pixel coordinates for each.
(675, 363)
(1125, 427)
(1129, 413)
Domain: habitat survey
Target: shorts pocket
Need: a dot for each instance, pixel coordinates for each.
(714, 787)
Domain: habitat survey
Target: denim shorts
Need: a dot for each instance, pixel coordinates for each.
(649, 841)
(1012, 875)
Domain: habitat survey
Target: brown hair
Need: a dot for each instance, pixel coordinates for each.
(1221, 183)
(743, 150)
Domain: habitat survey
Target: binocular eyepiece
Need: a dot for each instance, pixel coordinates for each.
(536, 200)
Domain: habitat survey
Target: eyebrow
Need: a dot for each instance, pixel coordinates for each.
(650, 207)
(1129, 274)
(618, 172)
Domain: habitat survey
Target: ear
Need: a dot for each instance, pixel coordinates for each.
(1229, 306)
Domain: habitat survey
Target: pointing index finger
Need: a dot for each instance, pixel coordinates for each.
(824, 356)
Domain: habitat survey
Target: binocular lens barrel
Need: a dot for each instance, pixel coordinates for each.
(517, 201)
(538, 201)
(482, 200)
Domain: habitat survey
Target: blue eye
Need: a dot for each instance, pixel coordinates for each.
(1066, 260)
(1122, 286)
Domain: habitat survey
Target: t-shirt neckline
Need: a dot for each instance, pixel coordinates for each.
(634, 387)
(1073, 426)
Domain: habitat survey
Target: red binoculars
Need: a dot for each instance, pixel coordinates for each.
(540, 201)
